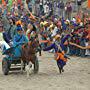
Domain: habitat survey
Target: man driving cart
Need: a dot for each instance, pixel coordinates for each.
(19, 39)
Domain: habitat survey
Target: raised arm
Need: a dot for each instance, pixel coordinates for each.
(81, 47)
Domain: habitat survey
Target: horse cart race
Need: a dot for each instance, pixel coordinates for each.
(11, 62)
(44, 44)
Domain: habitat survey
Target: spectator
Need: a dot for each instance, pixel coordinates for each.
(30, 6)
(79, 2)
(3, 44)
(68, 10)
(61, 8)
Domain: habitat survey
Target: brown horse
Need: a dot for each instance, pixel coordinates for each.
(29, 56)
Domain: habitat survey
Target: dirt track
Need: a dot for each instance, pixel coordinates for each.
(75, 77)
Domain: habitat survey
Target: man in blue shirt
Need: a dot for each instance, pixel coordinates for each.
(19, 39)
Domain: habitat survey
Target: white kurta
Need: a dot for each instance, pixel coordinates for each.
(87, 50)
(3, 43)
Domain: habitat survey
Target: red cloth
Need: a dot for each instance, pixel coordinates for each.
(3, 1)
(88, 3)
(29, 36)
(59, 24)
(88, 34)
(19, 1)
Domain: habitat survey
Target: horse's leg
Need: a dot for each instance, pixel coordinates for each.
(39, 50)
(24, 62)
(21, 66)
(28, 68)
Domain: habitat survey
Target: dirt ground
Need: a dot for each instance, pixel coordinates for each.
(75, 77)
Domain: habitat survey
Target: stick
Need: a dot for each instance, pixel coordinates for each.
(81, 47)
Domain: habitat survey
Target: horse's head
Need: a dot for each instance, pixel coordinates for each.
(33, 43)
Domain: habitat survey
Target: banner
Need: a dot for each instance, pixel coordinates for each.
(88, 3)
(3, 1)
(10, 2)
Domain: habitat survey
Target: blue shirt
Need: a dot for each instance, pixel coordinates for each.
(55, 47)
(19, 40)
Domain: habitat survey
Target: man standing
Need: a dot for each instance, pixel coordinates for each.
(68, 10)
(19, 39)
(79, 2)
(3, 44)
(61, 8)
(37, 7)
(4, 20)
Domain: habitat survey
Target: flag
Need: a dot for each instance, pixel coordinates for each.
(10, 2)
(3, 1)
(0, 1)
(88, 3)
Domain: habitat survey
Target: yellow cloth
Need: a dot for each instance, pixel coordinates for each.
(45, 22)
(1, 37)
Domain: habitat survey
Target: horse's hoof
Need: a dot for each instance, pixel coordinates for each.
(21, 72)
(40, 55)
(28, 75)
(30, 66)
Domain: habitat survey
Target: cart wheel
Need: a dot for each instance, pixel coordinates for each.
(36, 66)
(5, 66)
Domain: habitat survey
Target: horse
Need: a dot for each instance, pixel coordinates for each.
(29, 57)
